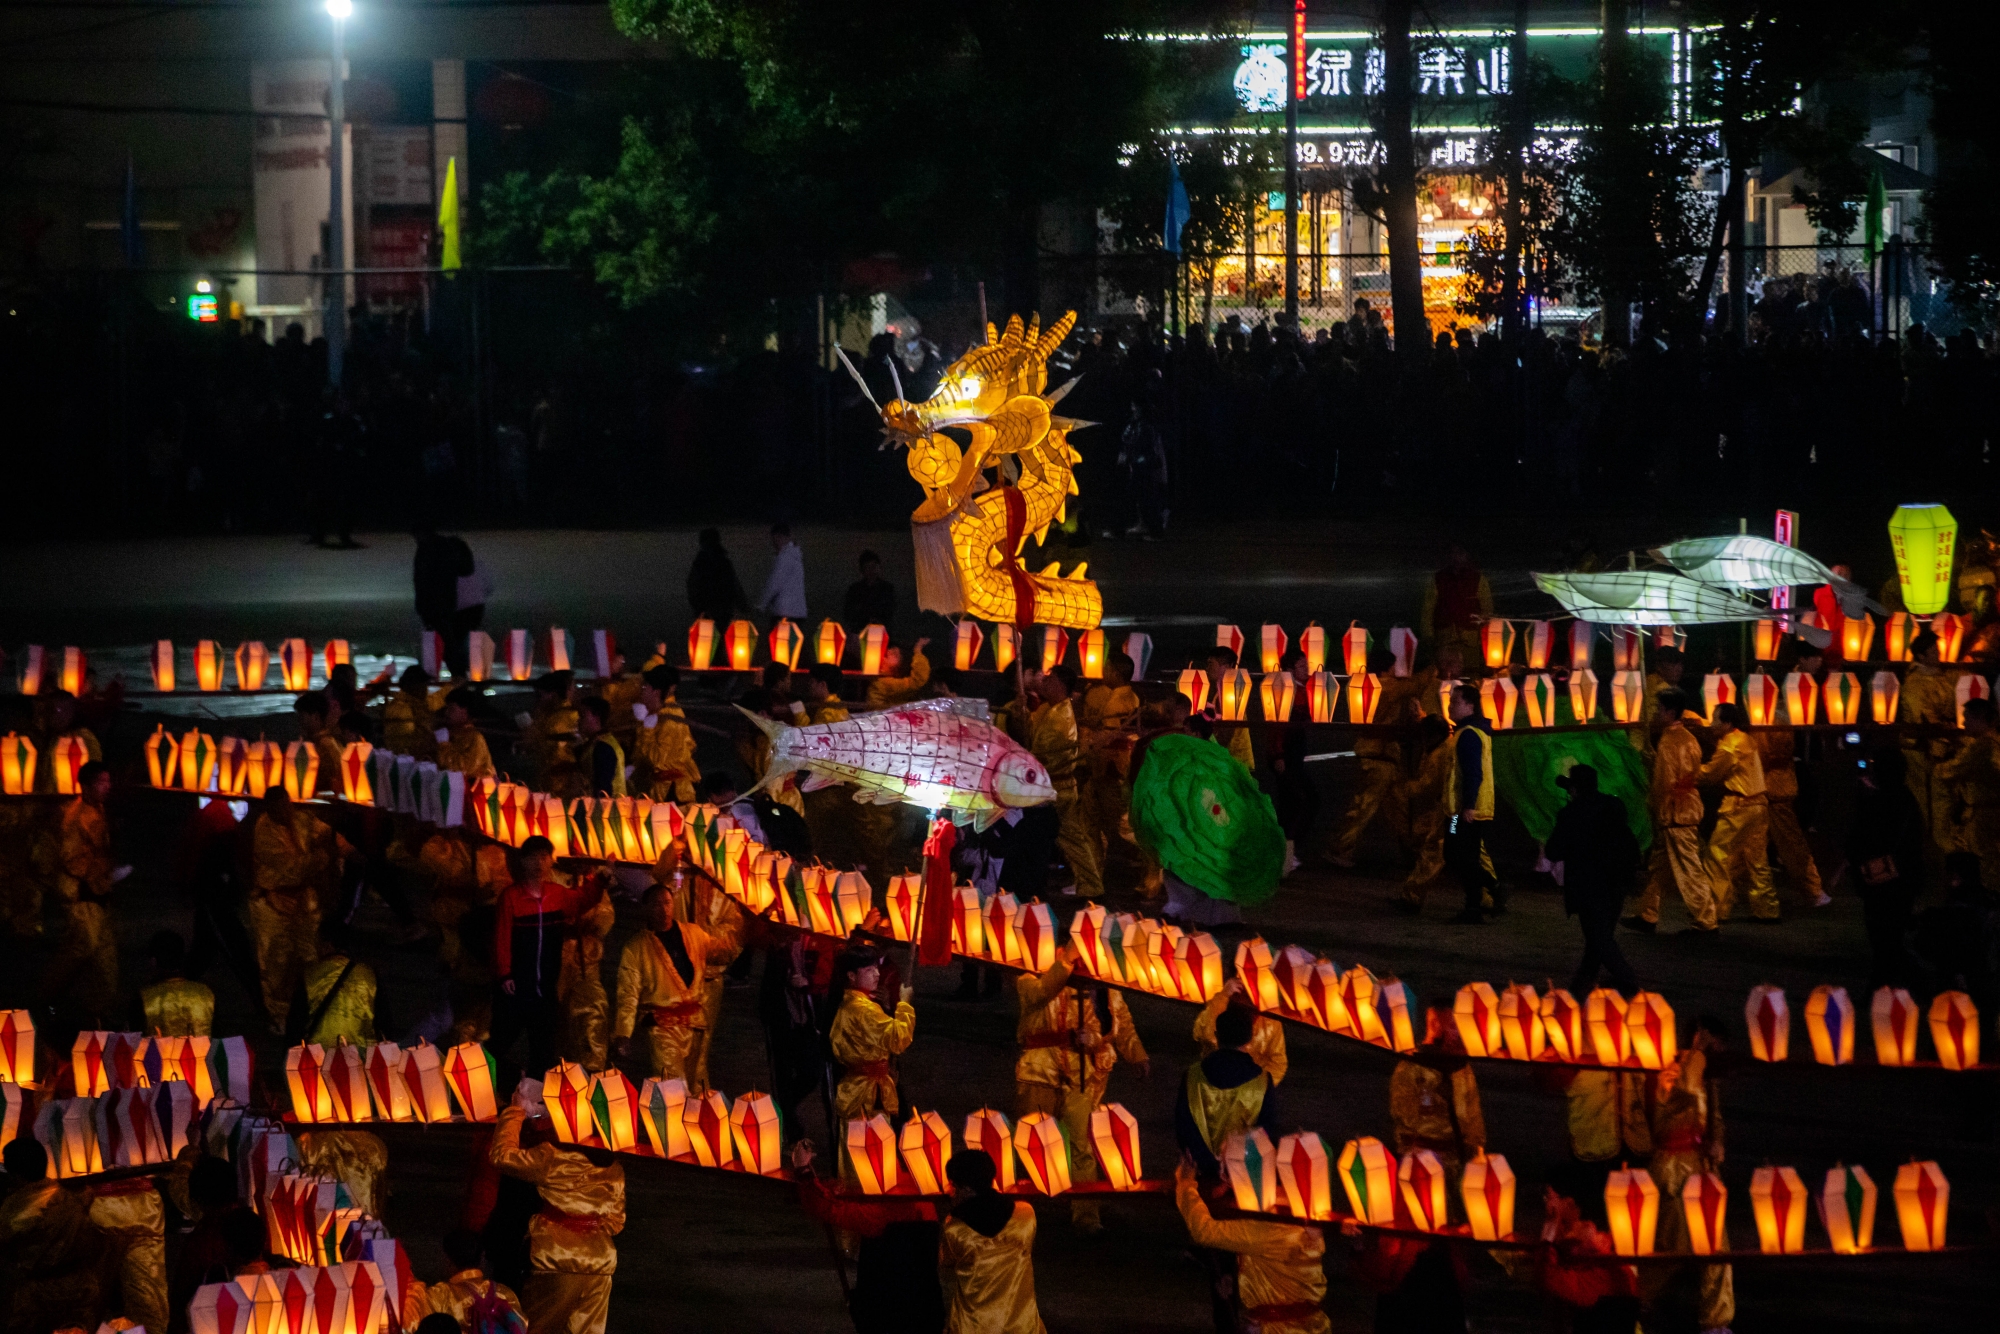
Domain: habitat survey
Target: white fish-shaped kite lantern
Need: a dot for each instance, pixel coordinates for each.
(1741, 564)
(938, 754)
(1656, 597)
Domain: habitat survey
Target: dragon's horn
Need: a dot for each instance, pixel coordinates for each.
(1053, 339)
(865, 393)
(1056, 396)
(896, 379)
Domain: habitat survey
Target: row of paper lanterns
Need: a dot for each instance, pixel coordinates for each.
(1894, 1020)
(1498, 637)
(251, 661)
(129, 1127)
(1779, 1204)
(1606, 1029)
(662, 1118)
(368, 775)
(345, 1084)
(313, 1220)
(1036, 1149)
(350, 1297)
(102, 1061)
(19, 759)
(810, 896)
(623, 829)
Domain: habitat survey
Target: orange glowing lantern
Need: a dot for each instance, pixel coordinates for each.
(1628, 696)
(1368, 1175)
(1628, 649)
(966, 642)
(662, 1109)
(1291, 972)
(1253, 969)
(830, 644)
(387, 1084)
(852, 900)
(1090, 655)
(1086, 932)
(1278, 692)
(207, 665)
(1044, 1153)
(739, 645)
(34, 669)
(1955, 1030)
(1950, 631)
(1778, 1201)
(1669, 636)
(295, 664)
(989, 1132)
(161, 659)
(264, 767)
(1326, 1003)
(1487, 1191)
(874, 645)
(1399, 1015)
(1649, 1023)
(1193, 682)
(1322, 692)
(1769, 1019)
(75, 670)
(1477, 1012)
(1537, 643)
(1055, 643)
(1232, 695)
(1582, 645)
(1498, 699)
(1893, 1015)
(1421, 1178)
(17, 765)
(1198, 965)
(423, 1073)
(1760, 699)
(1003, 935)
(17, 1047)
(253, 664)
(1583, 695)
(1355, 646)
(968, 923)
(705, 1117)
(1562, 1026)
(1801, 699)
(754, 1129)
(926, 1147)
(1312, 643)
(1036, 925)
(1364, 697)
(470, 1071)
(67, 758)
(1717, 688)
(1902, 628)
(1847, 1208)
(1538, 695)
(1114, 1134)
(1360, 992)
(1632, 1202)
(305, 1072)
(871, 1151)
(1923, 1200)
(1304, 1177)
(1271, 647)
(901, 900)
(1857, 636)
(1251, 1167)
(1521, 1023)
(701, 645)
(198, 761)
(162, 758)
(1842, 697)
(1604, 1017)
(1231, 638)
(1496, 642)
(301, 773)
(1006, 646)
(338, 654)
(354, 784)
(1705, 1206)
(1970, 687)
(1885, 691)
(1769, 637)
(785, 643)
(1830, 1025)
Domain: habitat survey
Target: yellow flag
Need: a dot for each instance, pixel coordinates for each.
(448, 216)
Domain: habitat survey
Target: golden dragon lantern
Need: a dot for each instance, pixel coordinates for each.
(997, 469)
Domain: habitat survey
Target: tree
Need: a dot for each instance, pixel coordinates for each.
(1222, 183)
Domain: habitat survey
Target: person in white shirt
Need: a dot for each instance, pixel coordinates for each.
(785, 590)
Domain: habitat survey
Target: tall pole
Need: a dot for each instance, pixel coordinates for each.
(336, 214)
(1521, 128)
(1298, 63)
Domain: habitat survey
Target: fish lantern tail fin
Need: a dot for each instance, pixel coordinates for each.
(773, 730)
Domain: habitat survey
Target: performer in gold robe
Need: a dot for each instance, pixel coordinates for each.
(1929, 699)
(1434, 1099)
(175, 1005)
(1052, 736)
(660, 972)
(864, 1037)
(1380, 763)
(1777, 751)
(1687, 1126)
(571, 1255)
(464, 873)
(1972, 777)
(547, 732)
(1224, 1092)
(663, 747)
(341, 991)
(408, 725)
(1737, 846)
(888, 688)
(86, 949)
(133, 1219)
(986, 1254)
(1267, 1035)
(294, 860)
(463, 747)
(698, 900)
(1108, 724)
(53, 1259)
(1280, 1267)
(468, 1283)
(357, 1158)
(1677, 813)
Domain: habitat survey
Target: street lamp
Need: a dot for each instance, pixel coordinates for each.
(336, 228)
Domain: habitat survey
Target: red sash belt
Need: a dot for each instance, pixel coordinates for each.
(571, 1222)
(869, 1070)
(123, 1186)
(674, 1016)
(1060, 1038)
(1681, 1141)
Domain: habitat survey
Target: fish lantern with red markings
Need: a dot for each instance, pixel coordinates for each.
(1885, 690)
(1006, 646)
(1705, 1206)
(1305, 1176)
(1251, 1165)
(1114, 1134)
(990, 1133)
(785, 643)
(1583, 695)
(1271, 648)
(161, 660)
(966, 642)
(871, 1152)
(1604, 1017)
(1477, 1012)
(1193, 682)
(1496, 643)
(1253, 969)
(1894, 1018)
(759, 1139)
(1420, 1177)
(1355, 646)
(1036, 924)
(1830, 1025)
(1955, 1030)
(1364, 697)
(1769, 1019)
(739, 645)
(1278, 692)
(295, 664)
(830, 644)
(701, 645)
(1769, 637)
(1847, 1208)
(1487, 1192)
(253, 664)
(469, 1071)
(926, 1148)
(705, 1117)
(1628, 696)
(1044, 1153)
(1521, 1023)
(1632, 1204)
(1232, 695)
(1562, 1026)
(1368, 1175)
(1055, 646)
(1649, 1021)
(1778, 1201)
(874, 643)
(1090, 655)
(1923, 1199)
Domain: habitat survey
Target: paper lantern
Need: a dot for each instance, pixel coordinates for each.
(1487, 1191)
(1894, 1019)
(1193, 682)
(470, 1072)
(1632, 1203)
(1403, 644)
(346, 1078)
(1496, 642)
(662, 1106)
(1086, 933)
(1969, 688)
(1705, 1206)
(1055, 644)
(968, 924)
(1231, 638)
(1399, 1015)
(1278, 691)
(1139, 648)
(786, 642)
(1604, 1017)
(1355, 647)
(1778, 1202)
(162, 758)
(1842, 697)
(1562, 1026)
(1955, 1030)
(1885, 690)
(1043, 1151)
(1582, 645)
(1361, 994)
(1251, 1166)
(874, 642)
(232, 765)
(901, 904)
(1368, 1175)
(989, 1132)
(295, 664)
(301, 775)
(1498, 699)
(965, 643)
(1304, 1176)
(34, 669)
(75, 670)
(1159, 944)
(1628, 696)
(66, 758)
(161, 659)
(1583, 695)
(1253, 970)
(1420, 1178)
(91, 1064)
(1477, 1012)
(1291, 969)
(701, 645)
(17, 1047)
(566, 1098)
(1114, 1135)
(1521, 1023)
(312, 1098)
(263, 767)
(1121, 957)
(1036, 925)
(830, 644)
(198, 760)
(1003, 935)
(754, 1129)
(1271, 643)
(1857, 636)
(739, 645)
(852, 901)
(67, 1129)
(1006, 646)
(1628, 649)
(1090, 655)
(1538, 696)
(386, 1085)
(1768, 636)
(1760, 700)
(1364, 697)
(1924, 538)
(1232, 695)
(926, 1147)
(1717, 688)
(1923, 1199)
(705, 1117)
(231, 1066)
(354, 784)
(1847, 1208)
(17, 765)
(1897, 634)
(1649, 1025)
(1536, 642)
(1830, 1024)
(1769, 1020)
(1312, 644)
(253, 664)
(1327, 1002)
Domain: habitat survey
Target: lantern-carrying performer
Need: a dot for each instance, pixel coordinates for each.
(663, 747)
(84, 877)
(1070, 1039)
(295, 858)
(1975, 772)
(702, 902)
(1224, 1092)
(1109, 725)
(408, 726)
(1686, 1110)
(53, 1260)
(586, 1009)
(1929, 699)
(986, 1254)
(1677, 817)
(174, 1004)
(1052, 737)
(339, 994)
(1267, 1035)
(465, 873)
(133, 1219)
(534, 918)
(864, 1037)
(461, 747)
(357, 1158)
(661, 972)
(1434, 1098)
(1456, 600)
(571, 1257)
(1778, 753)
(1742, 827)
(1280, 1267)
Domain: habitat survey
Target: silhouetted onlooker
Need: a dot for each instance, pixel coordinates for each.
(1885, 850)
(1593, 841)
(714, 591)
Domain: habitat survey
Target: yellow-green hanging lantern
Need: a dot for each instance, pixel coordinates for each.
(1924, 537)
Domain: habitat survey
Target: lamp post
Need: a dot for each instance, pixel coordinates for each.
(336, 219)
(1297, 53)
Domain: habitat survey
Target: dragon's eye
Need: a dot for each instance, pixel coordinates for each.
(969, 386)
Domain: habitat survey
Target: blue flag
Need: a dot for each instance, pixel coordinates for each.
(1177, 207)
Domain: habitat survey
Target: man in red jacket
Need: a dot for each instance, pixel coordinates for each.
(532, 919)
